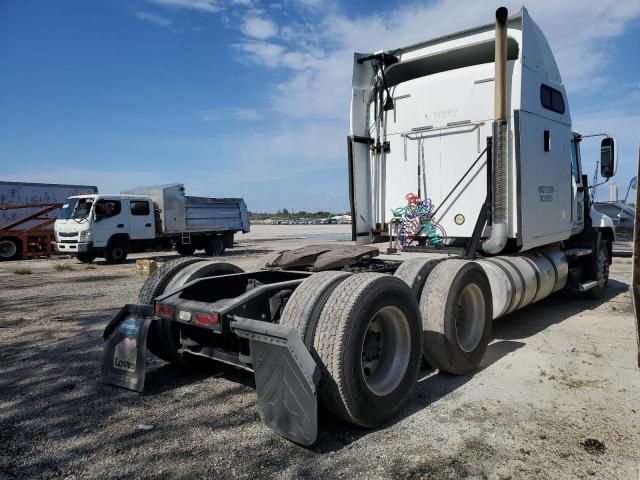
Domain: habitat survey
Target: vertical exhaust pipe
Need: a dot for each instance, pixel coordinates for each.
(500, 202)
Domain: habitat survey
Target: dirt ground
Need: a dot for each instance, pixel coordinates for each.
(556, 397)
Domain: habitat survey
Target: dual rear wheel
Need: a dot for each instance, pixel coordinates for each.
(369, 331)
(364, 331)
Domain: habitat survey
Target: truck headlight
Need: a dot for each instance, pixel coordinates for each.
(85, 235)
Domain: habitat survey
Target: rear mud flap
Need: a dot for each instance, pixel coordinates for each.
(286, 378)
(123, 357)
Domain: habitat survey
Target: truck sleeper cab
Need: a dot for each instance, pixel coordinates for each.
(499, 181)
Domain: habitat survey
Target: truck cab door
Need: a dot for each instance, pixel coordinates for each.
(577, 187)
(110, 218)
(141, 221)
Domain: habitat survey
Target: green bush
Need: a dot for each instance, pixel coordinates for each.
(63, 267)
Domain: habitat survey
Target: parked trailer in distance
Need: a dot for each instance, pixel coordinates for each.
(27, 214)
(142, 218)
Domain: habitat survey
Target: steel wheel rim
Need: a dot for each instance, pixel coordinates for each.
(470, 313)
(385, 351)
(7, 249)
(117, 253)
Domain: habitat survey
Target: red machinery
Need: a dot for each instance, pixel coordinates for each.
(29, 236)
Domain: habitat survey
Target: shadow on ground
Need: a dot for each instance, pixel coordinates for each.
(57, 419)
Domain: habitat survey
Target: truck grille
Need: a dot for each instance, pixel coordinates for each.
(68, 234)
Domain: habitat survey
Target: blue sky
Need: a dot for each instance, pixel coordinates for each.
(250, 98)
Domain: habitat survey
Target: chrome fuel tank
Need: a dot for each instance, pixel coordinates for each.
(518, 280)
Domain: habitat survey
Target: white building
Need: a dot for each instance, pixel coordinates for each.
(613, 192)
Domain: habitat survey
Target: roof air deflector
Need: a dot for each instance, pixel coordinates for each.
(461, 57)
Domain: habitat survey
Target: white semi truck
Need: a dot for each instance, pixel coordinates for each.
(471, 135)
(111, 226)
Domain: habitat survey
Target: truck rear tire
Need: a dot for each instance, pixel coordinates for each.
(456, 308)
(153, 287)
(86, 257)
(116, 252)
(369, 343)
(185, 250)
(214, 247)
(9, 249)
(163, 339)
(305, 305)
(415, 271)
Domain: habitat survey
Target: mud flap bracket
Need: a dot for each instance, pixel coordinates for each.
(286, 378)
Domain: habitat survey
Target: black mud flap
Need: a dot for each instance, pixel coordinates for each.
(286, 379)
(123, 356)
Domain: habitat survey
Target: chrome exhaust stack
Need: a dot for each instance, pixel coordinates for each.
(500, 202)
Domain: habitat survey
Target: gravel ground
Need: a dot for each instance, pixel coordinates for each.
(556, 397)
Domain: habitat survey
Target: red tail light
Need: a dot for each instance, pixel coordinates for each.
(205, 319)
(166, 310)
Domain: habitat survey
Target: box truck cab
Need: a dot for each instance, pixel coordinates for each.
(105, 225)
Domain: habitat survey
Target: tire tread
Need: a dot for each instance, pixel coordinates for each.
(307, 301)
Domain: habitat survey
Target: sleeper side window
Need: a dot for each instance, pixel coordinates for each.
(551, 99)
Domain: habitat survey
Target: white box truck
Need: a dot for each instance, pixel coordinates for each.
(111, 226)
(471, 132)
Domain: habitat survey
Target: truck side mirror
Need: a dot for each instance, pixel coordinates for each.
(608, 157)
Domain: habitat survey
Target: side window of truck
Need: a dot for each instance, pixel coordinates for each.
(575, 160)
(551, 99)
(107, 208)
(139, 207)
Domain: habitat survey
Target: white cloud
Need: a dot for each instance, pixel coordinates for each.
(317, 49)
(314, 51)
(623, 125)
(242, 114)
(211, 6)
(263, 53)
(318, 86)
(260, 28)
(154, 18)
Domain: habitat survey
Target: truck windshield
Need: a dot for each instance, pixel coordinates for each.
(76, 208)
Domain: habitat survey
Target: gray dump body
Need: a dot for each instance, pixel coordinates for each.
(180, 213)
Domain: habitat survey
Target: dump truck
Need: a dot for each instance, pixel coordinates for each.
(143, 218)
(27, 213)
(462, 156)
